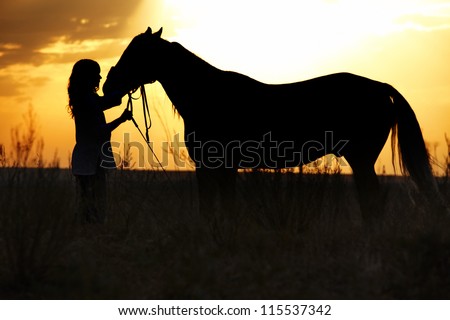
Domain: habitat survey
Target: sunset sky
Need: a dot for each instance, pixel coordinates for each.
(401, 42)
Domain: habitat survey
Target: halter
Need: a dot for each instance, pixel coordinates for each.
(146, 110)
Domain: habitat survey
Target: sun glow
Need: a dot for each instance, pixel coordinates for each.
(402, 42)
(276, 41)
(284, 37)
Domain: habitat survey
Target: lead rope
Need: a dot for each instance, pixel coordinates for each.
(146, 111)
(148, 125)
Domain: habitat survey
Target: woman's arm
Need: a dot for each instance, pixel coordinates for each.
(126, 115)
(111, 100)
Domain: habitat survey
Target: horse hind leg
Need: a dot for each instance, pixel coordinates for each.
(369, 193)
(368, 188)
(362, 156)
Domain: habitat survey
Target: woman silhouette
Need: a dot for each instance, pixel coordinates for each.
(92, 155)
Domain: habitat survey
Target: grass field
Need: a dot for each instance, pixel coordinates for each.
(296, 237)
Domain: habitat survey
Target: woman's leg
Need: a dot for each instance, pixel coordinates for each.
(100, 196)
(91, 196)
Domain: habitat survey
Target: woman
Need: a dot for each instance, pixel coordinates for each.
(92, 154)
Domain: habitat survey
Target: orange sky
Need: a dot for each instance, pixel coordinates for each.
(402, 42)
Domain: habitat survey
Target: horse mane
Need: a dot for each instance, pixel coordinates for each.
(190, 59)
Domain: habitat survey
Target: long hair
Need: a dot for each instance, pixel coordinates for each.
(82, 82)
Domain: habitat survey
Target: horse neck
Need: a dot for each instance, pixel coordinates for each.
(187, 62)
(183, 75)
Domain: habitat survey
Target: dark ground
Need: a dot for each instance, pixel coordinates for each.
(294, 237)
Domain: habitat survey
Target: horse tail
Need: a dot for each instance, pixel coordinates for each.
(413, 154)
(414, 158)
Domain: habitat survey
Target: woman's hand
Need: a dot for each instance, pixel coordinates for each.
(126, 115)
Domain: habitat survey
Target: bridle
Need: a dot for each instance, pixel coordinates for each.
(145, 109)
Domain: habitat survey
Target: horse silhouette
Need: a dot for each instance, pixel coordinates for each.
(233, 121)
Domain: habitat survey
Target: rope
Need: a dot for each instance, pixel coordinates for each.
(146, 111)
(148, 125)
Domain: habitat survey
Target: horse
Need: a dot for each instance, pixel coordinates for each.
(235, 122)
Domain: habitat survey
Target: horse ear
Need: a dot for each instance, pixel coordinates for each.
(148, 31)
(158, 33)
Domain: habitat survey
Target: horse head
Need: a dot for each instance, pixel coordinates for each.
(133, 70)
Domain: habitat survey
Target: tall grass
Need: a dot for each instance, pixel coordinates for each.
(298, 236)
(36, 208)
(34, 222)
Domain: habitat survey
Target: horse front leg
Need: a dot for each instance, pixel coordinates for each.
(217, 201)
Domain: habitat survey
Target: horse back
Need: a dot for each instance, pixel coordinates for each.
(248, 107)
(242, 112)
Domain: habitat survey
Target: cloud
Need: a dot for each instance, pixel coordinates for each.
(427, 16)
(30, 27)
(9, 87)
(16, 81)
